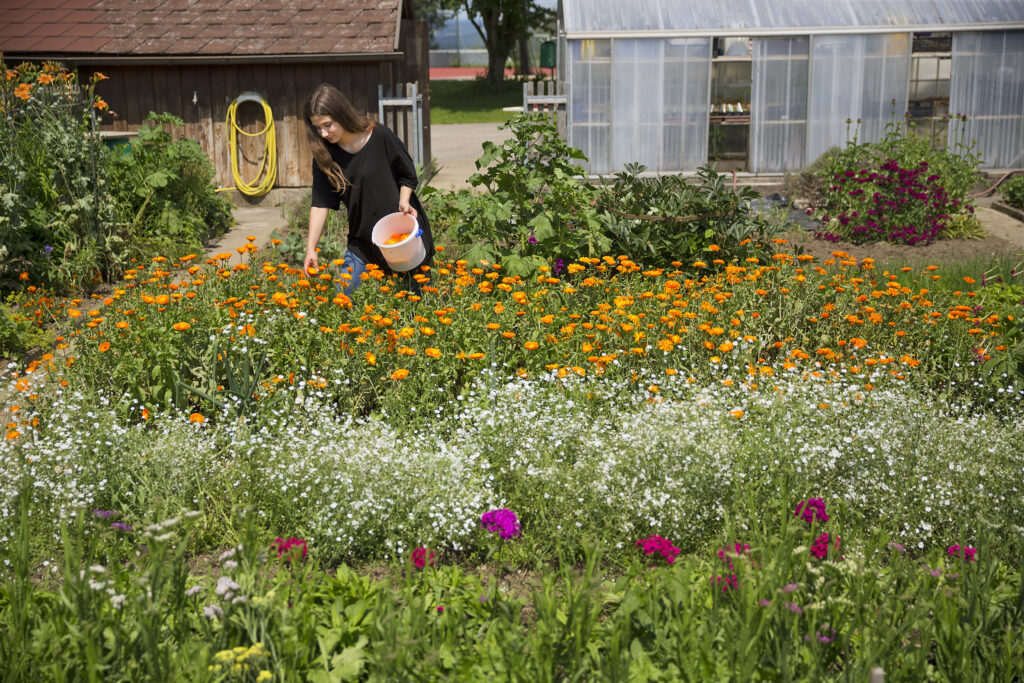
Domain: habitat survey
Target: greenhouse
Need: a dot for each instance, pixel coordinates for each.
(764, 86)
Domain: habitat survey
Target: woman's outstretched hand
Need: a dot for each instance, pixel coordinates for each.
(311, 263)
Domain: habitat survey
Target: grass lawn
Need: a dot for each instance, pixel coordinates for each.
(474, 101)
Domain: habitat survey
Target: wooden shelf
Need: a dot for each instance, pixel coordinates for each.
(730, 119)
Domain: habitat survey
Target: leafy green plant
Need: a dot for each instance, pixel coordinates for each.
(165, 194)
(241, 380)
(20, 331)
(56, 211)
(533, 209)
(660, 219)
(906, 188)
(1013, 191)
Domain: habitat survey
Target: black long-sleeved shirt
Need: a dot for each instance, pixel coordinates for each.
(375, 174)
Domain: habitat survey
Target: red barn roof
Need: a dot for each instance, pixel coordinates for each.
(179, 28)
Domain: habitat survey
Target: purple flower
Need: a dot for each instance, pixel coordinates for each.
(793, 607)
(811, 509)
(896, 546)
(531, 240)
(121, 526)
(789, 588)
(657, 544)
(103, 514)
(764, 603)
(48, 249)
(502, 520)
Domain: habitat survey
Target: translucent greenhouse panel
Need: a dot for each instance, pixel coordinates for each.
(778, 109)
(750, 17)
(637, 72)
(685, 89)
(988, 86)
(590, 101)
(660, 103)
(858, 85)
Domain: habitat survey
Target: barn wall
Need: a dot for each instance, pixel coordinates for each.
(133, 91)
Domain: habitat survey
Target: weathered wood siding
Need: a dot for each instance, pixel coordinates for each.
(134, 91)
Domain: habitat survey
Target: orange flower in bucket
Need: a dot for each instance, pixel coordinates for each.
(395, 239)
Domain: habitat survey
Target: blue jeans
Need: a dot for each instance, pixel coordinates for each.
(358, 267)
(405, 281)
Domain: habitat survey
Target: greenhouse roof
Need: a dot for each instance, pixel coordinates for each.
(683, 18)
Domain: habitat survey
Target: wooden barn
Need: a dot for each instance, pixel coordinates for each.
(194, 58)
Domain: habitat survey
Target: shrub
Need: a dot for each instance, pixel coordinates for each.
(166, 200)
(905, 188)
(535, 210)
(662, 219)
(1013, 191)
(57, 213)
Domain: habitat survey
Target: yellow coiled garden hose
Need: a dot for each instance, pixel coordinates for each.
(268, 164)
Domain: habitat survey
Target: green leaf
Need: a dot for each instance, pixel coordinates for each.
(158, 178)
(348, 665)
(542, 229)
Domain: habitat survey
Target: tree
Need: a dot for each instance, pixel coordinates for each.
(436, 13)
(501, 24)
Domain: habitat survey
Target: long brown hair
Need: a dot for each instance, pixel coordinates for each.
(328, 101)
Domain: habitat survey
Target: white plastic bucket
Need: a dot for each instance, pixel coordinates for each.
(405, 255)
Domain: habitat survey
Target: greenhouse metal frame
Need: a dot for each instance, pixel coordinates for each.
(767, 86)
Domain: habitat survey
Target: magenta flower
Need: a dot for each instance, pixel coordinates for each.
(820, 547)
(502, 520)
(421, 557)
(725, 582)
(657, 544)
(966, 552)
(291, 549)
(811, 509)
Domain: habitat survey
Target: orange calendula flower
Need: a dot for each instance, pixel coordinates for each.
(104, 347)
(737, 413)
(371, 359)
(531, 345)
(196, 418)
(432, 352)
(400, 373)
(182, 326)
(475, 355)
(145, 413)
